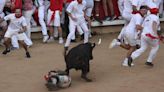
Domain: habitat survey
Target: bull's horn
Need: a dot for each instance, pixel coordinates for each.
(99, 42)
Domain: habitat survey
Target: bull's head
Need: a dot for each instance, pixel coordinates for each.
(93, 45)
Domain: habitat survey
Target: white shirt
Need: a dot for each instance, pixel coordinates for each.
(2, 5)
(39, 2)
(152, 4)
(15, 23)
(127, 5)
(137, 19)
(157, 2)
(148, 22)
(139, 3)
(89, 3)
(77, 10)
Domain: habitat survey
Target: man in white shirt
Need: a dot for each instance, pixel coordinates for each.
(128, 7)
(16, 27)
(77, 17)
(41, 15)
(149, 37)
(126, 12)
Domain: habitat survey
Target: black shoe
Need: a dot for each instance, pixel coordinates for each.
(82, 37)
(28, 55)
(98, 20)
(149, 64)
(107, 18)
(130, 60)
(138, 46)
(6, 51)
(73, 41)
(56, 38)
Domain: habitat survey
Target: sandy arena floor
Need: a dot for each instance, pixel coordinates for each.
(19, 74)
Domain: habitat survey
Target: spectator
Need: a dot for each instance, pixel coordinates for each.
(53, 20)
(88, 10)
(116, 10)
(108, 4)
(97, 11)
(41, 14)
(28, 10)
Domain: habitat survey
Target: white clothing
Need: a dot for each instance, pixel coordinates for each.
(2, 5)
(147, 24)
(148, 41)
(89, 7)
(15, 23)
(130, 31)
(77, 11)
(56, 21)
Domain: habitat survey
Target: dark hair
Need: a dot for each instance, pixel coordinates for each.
(143, 7)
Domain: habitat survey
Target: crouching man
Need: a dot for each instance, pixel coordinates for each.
(17, 27)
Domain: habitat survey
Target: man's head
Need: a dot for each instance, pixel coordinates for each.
(79, 1)
(18, 13)
(143, 10)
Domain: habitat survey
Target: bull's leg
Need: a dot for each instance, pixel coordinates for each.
(67, 71)
(84, 75)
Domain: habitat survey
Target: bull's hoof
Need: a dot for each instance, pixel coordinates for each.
(86, 79)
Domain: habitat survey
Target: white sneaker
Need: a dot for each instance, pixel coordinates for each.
(45, 38)
(125, 63)
(56, 33)
(113, 44)
(51, 39)
(61, 41)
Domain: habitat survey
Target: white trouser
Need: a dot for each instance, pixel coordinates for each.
(145, 42)
(28, 15)
(80, 31)
(46, 5)
(120, 6)
(127, 17)
(121, 34)
(41, 20)
(72, 27)
(14, 41)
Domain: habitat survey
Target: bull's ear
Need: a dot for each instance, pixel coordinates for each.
(93, 45)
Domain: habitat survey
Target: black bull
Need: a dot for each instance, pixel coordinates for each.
(78, 58)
